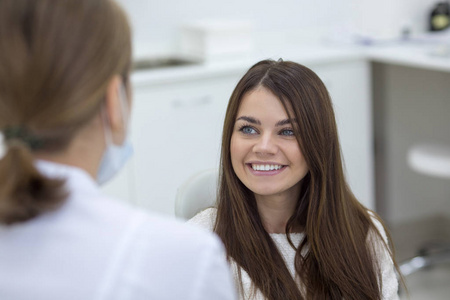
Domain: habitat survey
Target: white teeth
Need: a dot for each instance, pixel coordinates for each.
(266, 167)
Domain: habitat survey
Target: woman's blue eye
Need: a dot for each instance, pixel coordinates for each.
(287, 132)
(248, 130)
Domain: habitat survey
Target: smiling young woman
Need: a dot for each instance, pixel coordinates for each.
(291, 226)
(266, 157)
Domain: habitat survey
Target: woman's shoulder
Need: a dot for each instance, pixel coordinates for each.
(377, 223)
(206, 218)
(380, 244)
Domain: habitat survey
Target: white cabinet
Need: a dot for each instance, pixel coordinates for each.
(176, 132)
(349, 85)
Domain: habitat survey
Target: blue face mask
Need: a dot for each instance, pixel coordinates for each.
(115, 156)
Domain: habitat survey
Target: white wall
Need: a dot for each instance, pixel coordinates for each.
(156, 23)
(387, 18)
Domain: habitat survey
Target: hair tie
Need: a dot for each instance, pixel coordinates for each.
(22, 134)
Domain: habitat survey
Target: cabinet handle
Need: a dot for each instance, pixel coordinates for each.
(192, 102)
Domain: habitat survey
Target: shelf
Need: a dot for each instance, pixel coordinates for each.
(430, 159)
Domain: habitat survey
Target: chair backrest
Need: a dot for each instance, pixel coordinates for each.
(197, 193)
(430, 159)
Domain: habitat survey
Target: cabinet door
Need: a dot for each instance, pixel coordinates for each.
(349, 86)
(176, 132)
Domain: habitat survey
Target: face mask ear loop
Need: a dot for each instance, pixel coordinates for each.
(106, 128)
(124, 110)
(124, 105)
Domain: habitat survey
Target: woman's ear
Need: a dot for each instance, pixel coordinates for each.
(113, 110)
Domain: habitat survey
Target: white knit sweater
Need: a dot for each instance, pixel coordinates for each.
(207, 218)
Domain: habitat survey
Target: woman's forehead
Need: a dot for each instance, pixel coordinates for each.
(262, 101)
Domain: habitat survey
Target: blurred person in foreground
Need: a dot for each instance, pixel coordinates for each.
(64, 113)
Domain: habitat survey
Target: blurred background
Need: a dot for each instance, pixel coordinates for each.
(157, 24)
(386, 65)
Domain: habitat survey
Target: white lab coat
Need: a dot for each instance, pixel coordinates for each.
(96, 248)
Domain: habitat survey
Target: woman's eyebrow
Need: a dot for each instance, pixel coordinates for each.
(285, 122)
(249, 119)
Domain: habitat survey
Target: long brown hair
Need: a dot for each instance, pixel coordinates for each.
(339, 261)
(56, 60)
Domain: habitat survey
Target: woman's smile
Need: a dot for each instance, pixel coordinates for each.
(265, 168)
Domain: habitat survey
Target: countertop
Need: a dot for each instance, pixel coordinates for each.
(426, 56)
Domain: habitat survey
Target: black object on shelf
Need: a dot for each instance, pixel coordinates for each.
(440, 17)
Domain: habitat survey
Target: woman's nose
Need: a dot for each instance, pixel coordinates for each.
(265, 145)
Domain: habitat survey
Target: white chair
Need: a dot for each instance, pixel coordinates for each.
(196, 194)
(431, 160)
